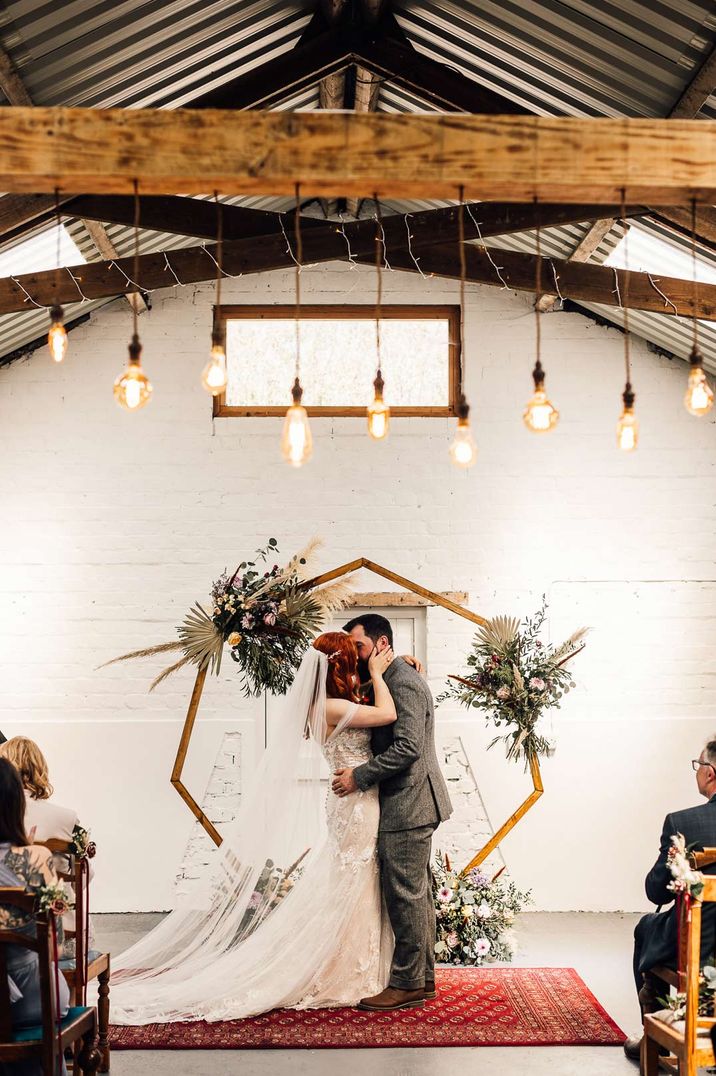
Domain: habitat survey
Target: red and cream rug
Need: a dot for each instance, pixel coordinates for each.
(474, 1007)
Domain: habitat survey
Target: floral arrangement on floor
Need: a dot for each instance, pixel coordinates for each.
(267, 617)
(272, 885)
(81, 845)
(474, 915)
(515, 678)
(676, 1002)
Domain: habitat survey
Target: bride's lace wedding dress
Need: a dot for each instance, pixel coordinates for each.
(327, 942)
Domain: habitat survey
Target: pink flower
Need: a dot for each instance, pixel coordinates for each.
(452, 940)
(270, 619)
(445, 894)
(60, 906)
(537, 683)
(503, 693)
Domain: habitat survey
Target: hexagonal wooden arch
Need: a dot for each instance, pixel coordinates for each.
(407, 584)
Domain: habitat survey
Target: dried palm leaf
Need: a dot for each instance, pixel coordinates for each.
(499, 632)
(201, 640)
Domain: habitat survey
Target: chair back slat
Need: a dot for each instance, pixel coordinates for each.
(703, 859)
(77, 876)
(42, 945)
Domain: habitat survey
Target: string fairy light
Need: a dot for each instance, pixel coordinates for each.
(214, 375)
(699, 396)
(133, 389)
(378, 411)
(296, 439)
(628, 424)
(57, 336)
(463, 450)
(540, 415)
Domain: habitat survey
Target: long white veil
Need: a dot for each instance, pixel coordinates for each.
(234, 929)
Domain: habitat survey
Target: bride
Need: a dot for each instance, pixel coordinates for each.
(292, 915)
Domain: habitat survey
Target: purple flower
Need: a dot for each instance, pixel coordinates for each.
(478, 879)
(270, 619)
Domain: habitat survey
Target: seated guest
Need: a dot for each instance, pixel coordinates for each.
(655, 936)
(30, 867)
(45, 820)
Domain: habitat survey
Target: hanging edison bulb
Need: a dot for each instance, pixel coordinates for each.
(214, 375)
(463, 450)
(378, 411)
(296, 439)
(628, 425)
(133, 389)
(699, 398)
(57, 336)
(540, 415)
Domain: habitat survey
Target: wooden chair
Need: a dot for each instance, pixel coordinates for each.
(690, 1046)
(677, 978)
(47, 1041)
(85, 970)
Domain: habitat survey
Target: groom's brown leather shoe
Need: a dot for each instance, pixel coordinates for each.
(392, 998)
(430, 993)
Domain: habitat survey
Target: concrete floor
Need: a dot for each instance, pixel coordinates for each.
(597, 945)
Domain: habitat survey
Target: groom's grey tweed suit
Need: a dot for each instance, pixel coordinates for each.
(413, 801)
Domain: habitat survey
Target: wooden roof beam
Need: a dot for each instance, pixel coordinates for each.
(588, 283)
(408, 156)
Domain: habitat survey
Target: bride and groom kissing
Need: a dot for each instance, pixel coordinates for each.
(351, 920)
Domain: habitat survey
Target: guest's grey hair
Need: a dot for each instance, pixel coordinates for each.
(710, 752)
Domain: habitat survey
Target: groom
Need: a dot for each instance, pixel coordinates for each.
(413, 802)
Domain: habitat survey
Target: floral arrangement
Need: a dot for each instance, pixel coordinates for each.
(707, 996)
(273, 884)
(474, 915)
(81, 845)
(684, 879)
(267, 617)
(53, 898)
(515, 678)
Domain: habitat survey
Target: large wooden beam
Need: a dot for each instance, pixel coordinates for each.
(493, 158)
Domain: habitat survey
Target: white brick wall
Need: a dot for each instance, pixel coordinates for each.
(113, 524)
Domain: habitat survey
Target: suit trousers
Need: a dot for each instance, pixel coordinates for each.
(408, 890)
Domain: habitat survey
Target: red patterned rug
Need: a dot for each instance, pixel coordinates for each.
(474, 1007)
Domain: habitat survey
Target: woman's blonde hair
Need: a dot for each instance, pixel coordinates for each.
(31, 764)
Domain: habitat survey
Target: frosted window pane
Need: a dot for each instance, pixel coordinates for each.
(338, 360)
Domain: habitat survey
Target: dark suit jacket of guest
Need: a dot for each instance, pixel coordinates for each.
(698, 825)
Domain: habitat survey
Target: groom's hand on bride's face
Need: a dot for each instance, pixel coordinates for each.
(344, 783)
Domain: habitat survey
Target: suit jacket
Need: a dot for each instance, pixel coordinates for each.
(413, 792)
(698, 825)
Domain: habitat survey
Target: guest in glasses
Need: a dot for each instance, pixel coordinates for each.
(655, 937)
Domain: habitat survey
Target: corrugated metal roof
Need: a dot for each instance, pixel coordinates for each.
(580, 58)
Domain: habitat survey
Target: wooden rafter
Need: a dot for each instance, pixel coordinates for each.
(586, 282)
(16, 92)
(688, 105)
(408, 156)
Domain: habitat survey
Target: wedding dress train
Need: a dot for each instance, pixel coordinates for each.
(260, 937)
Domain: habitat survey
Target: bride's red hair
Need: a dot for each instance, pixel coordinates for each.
(342, 679)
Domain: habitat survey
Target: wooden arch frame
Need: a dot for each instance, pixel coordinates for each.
(335, 573)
